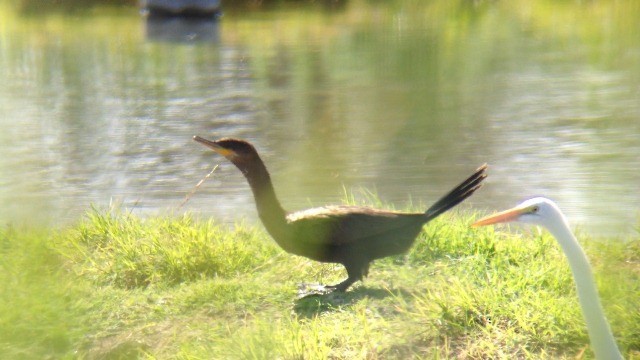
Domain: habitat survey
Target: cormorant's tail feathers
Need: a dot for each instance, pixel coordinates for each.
(458, 194)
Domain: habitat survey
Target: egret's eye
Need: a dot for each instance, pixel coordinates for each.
(535, 209)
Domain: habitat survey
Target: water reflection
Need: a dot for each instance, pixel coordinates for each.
(401, 101)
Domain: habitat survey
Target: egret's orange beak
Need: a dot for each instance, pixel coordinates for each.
(502, 217)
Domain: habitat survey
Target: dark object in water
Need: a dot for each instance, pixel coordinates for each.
(181, 7)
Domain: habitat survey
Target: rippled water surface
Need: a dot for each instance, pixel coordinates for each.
(402, 98)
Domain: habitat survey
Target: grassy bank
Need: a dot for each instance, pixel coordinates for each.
(118, 286)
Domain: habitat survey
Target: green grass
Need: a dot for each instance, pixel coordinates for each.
(119, 286)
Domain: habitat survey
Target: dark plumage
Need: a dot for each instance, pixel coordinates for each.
(350, 235)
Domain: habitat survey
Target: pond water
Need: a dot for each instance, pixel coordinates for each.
(402, 98)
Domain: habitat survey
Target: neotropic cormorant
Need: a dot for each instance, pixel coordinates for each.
(349, 235)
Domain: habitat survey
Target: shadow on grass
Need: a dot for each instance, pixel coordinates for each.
(317, 304)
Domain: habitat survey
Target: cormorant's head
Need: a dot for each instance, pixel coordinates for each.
(239, 152)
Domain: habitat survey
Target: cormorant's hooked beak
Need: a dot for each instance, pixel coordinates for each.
(215, 147)
(503, 216)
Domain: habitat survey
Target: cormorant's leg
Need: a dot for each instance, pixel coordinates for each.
(355, 272)
(343, 285)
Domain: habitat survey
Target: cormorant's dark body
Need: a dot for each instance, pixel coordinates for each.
(350, 235)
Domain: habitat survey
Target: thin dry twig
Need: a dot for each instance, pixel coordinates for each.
(195, 188)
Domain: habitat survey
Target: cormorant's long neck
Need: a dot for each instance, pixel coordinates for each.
(602, 341)
(270, 211)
